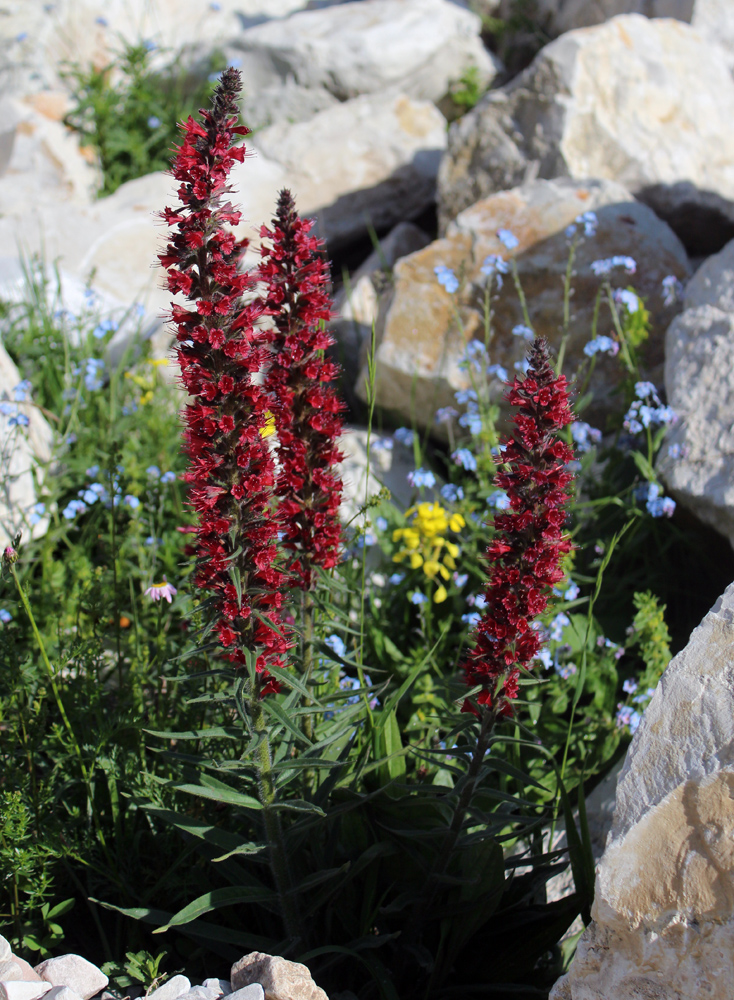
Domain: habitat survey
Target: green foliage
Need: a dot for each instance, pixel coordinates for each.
(467, 92)
(128, 113)
(139, 967)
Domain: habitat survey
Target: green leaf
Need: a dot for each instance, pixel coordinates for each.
(198, 734)
(61, 909)
(272, 707)
(298, 805)
(220, 793)
(229, 896)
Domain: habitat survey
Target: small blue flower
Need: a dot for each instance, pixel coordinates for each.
(626, 716)
(92, 470)
(5, 616)
(557, 626)
(8, 409)
(404, 436)
(603, 267)
(522, 366)
(584, 436)
(215, 6)
(22, 36)
(677, 451)
(149, 45)
(464, 396)
(472, 419)
(523, 331)
(103, 328)
(336, 644)
(22, 391)
(508, 239)
(101, 21)
(445, 414)
(132, 501)
(494, 266)
(73, 508)
(153, 472)
(603, 344)
(37, 512)
(471, 619)
(572, 592)
(381, 523)
(498, 500)
(154, 122)
(545, 658)
(417, 597)
(89, 496)
(421, 477)
(381, 444)
(498, 371)
(451, 493)
(396, 579)
(464, 458)
(446, 277)
(168, 477)
(565, 670)
(629, 686)
(460, 579)
(646, 390)
(628, 299)
(661, 506)
(19, 420)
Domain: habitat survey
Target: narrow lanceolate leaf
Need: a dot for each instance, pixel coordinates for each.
(215, 900)
(220, 793)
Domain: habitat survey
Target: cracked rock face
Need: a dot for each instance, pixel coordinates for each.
(663, 914)
(631, 100)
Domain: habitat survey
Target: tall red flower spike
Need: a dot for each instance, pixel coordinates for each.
(525, 555)
(307, 409)
(231, 472)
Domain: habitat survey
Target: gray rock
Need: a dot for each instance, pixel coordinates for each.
(223, 985)
(373, 160)
(62, 993)
(75, 972)
(252, 992)
(699, 361)
(423, 331)
(172, 989)
(279, 978)
(415, 47)
(614, 101)
(201, 993)
(388, 467)
(5, 950)
(663, 913)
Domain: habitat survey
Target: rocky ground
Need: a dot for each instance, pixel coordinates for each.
(626, 112)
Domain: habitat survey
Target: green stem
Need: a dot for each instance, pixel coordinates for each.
(271, 823)
(566, 307)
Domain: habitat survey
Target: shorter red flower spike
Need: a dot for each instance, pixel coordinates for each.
(306, 406)
(525, 555)
(221, 353)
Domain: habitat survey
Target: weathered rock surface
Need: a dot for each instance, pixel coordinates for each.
(5, 950)
(373, 159)
(423, 331)
(713, 19)
(643, 102)
(25, 448)
(389, 465)
(279, 978)
(663, 914)
(175, 987)
(356, 304)
(699, 361)
(62, 993)
(252, 992)
(415, 47)
(75, 972)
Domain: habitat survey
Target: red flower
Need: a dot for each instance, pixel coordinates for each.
(306, 407)
(525, 555)
(221, 352)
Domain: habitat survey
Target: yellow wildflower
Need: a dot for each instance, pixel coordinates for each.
(269, 426)
(423, 543)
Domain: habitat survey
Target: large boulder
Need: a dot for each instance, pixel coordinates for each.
(663, 913)
(423, 330)
(698, 460)
(414, 47)
(647, 103)
(371, 160)
(714, 19)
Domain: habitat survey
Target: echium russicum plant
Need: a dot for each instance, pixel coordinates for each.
(306, 406)
(221, 353)
(526, 553)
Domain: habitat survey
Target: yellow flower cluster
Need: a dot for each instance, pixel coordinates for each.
(147, 382)
(424, 544)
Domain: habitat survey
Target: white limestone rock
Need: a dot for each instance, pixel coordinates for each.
(644, 102)
(371, 159)
(389, 465)
(17, 989)
(223, 985)
(75, 972)
(62, 993)
(421, 342)
(252, 992)
(697, 462)
(415, 47)
(663, 914)
(6, 952)
(172, 989)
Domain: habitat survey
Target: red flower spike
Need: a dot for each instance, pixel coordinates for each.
(525, 555)
(221, 352)
(306, 407)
